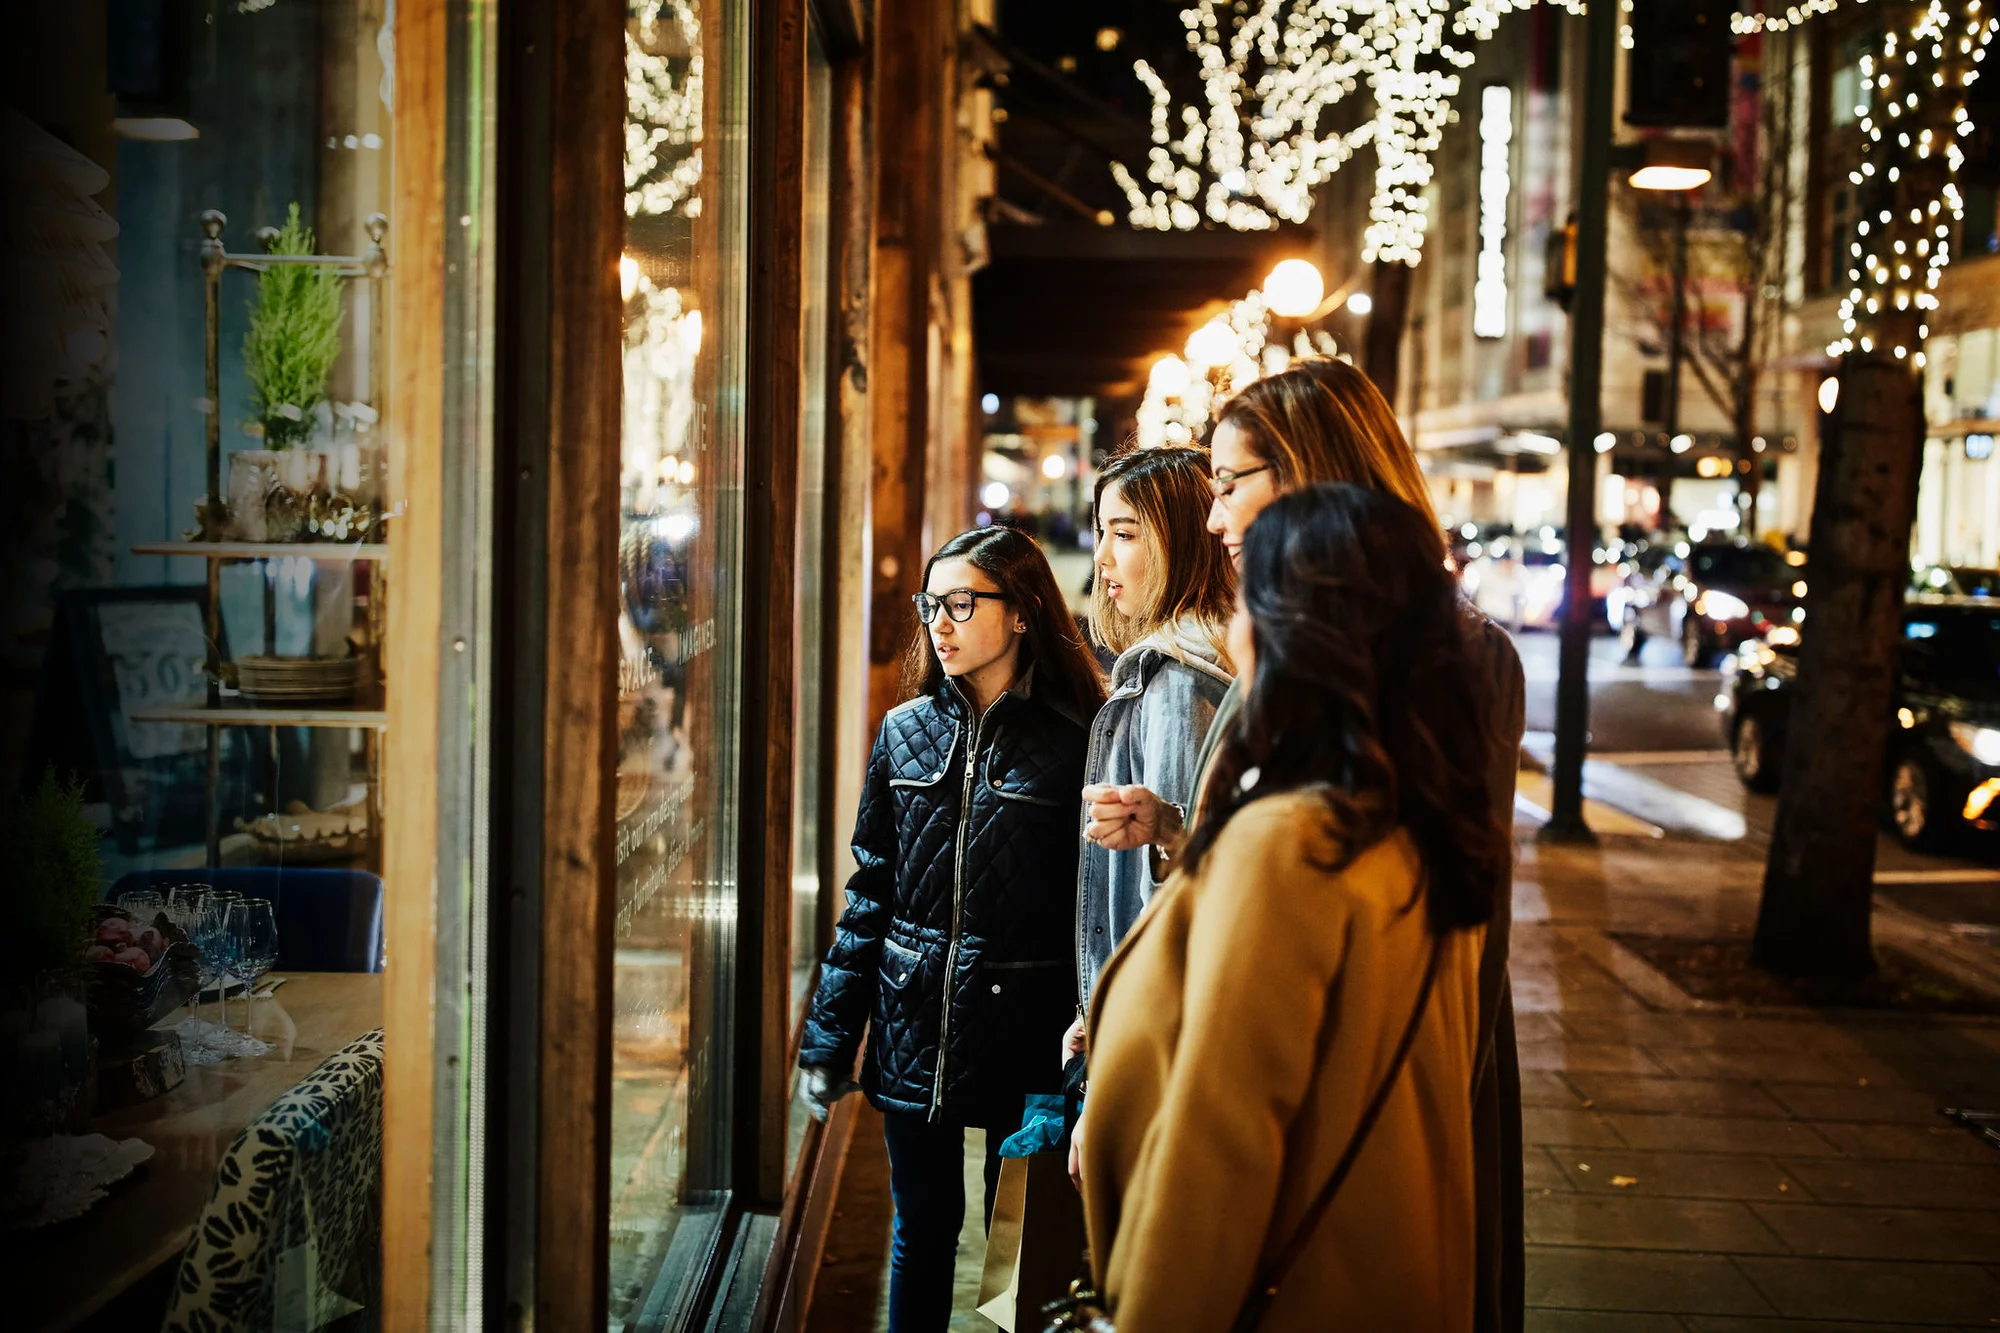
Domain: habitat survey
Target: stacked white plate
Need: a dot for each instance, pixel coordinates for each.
(297, 680)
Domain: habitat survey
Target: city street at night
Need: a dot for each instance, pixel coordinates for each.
(1041, 666)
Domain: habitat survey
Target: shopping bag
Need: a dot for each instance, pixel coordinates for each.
(1034, 1248)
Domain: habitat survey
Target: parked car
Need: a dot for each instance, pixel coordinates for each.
(1944, 738)
(1955, 581)
(1708, 598)
(1519, 581)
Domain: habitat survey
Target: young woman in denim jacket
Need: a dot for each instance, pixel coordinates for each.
(1161, 602)
(954, 952)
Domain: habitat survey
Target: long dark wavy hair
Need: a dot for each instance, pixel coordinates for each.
(1362, 694)
(1064, 669)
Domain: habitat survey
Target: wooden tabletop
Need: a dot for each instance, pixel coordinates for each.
(73, 1268)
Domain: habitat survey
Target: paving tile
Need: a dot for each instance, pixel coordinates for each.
(1588, 1278)
(1678, 1174)
(1588, 1056)
(1729, 1323)
(1906, 1184)
(1791, 1066)
(1687, 1096)
(1600, 1321)
(1837, 1231)
(1540, 1172)
(1874, 1292)
(1649, 1223)
(1853, 1101)
(1727, 1134)
(1546, 1087)
(1666, 1031)
(1530, 1028)
(1547, 1124)
(1937, 1142)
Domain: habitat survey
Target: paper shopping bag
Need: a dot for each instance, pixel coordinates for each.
(1035, 1246)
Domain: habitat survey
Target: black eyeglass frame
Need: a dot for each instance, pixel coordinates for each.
(1223, 484)
(928, 604)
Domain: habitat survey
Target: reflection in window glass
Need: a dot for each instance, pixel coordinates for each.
(812, 586)
(679, 634)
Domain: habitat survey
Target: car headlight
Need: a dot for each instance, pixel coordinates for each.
(1982, 743)
(1721, 606)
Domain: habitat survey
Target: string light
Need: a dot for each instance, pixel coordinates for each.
(1906, 186)
(1290, 63)
(1224, 355)
(663, 109)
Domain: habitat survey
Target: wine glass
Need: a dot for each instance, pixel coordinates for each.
(185, 905)
(143, 904)
(249, 943)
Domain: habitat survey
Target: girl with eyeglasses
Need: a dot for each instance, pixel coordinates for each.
(955, 953)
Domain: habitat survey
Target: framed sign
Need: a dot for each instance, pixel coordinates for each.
(115, 652)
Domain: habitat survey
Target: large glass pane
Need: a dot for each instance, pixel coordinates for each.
(196, 565)
(680, 631)
(812, 589)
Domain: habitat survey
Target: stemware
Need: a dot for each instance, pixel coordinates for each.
(249, 944)
(143, 904)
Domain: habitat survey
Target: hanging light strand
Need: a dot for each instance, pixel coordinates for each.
(663, 109)
(1906, 187)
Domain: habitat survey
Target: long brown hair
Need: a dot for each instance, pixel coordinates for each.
(1167, 488)
(1320, 420)
(1363, 694)
(1065, 672)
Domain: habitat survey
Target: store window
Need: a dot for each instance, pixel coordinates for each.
(680, 629)
(811, 820)
(198, 568)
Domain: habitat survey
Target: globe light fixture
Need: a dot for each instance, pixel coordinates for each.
(1360, 303)
(1170, 375)
(1294, 289)
(1213, 344)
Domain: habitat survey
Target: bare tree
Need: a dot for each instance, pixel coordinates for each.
(1734, 247)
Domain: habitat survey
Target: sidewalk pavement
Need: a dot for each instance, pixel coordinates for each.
(1693, 1167)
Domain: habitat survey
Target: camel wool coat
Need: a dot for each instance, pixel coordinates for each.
(1235, 1039)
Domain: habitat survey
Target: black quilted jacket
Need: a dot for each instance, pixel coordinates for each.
(956, 950)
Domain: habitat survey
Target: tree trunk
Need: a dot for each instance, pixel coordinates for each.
(1819, 881)
(1382, 350)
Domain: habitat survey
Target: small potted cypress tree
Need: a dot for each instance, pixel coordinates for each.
(288, 353)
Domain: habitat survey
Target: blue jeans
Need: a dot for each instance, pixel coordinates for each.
(927, 1182)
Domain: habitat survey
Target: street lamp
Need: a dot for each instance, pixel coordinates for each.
(1674, 166)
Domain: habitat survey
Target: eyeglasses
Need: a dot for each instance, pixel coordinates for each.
(959, 604)
(1223, 484)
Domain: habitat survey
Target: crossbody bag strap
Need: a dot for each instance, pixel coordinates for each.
(1266, 1289)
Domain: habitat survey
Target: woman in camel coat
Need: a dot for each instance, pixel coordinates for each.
(1241, 1032)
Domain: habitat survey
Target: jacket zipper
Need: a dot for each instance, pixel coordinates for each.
(957, 897)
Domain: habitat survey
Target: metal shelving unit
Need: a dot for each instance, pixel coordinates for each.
(221, 711)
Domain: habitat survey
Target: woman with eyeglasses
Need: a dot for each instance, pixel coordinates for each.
(1322, 420)
(1283, 1051)
(956, 952)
